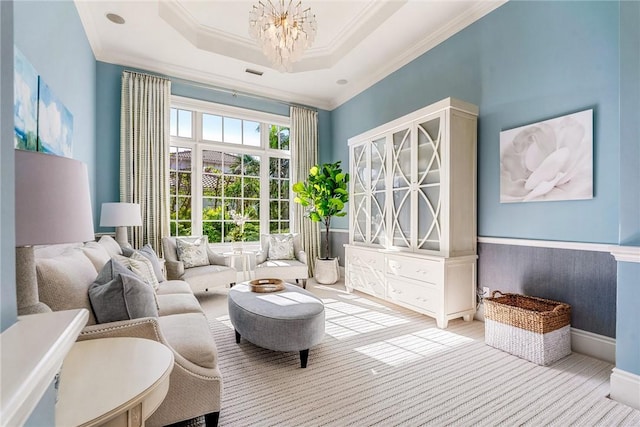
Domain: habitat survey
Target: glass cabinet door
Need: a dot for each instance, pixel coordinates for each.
(378, 204)
(369, 166)
(429, 156)
(401, 189)
(359, 197)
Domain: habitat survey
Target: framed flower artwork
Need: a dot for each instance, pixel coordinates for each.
(548, 160)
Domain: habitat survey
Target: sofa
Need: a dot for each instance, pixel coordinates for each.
(214, 274)
(60, 277)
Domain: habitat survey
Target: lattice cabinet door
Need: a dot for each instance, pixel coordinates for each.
(368, 206)
(429, 191)
(359, 214)
(401, 188)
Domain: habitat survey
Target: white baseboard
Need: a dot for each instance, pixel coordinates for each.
(594, 345)
(625, 388)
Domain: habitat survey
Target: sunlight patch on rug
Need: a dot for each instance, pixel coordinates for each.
(408, 348)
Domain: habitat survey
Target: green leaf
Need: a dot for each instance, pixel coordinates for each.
(340, 177)
(313, 216)
(298, 187)
(314, 171)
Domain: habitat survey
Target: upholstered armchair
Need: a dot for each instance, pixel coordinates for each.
(281, 256)
(213, 274)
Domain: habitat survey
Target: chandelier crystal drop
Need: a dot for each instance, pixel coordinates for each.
(283, 32)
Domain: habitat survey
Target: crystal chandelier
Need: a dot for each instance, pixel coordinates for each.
(282, 32)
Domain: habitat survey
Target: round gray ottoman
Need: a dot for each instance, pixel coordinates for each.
(287, 320)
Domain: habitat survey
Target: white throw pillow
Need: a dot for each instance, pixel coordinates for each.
(281, 246)
(97, 254)
(142, 267)
(193, 253)
(112, 247)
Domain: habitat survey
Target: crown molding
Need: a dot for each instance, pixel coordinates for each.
(89, 26)
(470, 16)
(212, 79)
(245, 49)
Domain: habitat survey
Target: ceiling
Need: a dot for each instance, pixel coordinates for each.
(360, 41)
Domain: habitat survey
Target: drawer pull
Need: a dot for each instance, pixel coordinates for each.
(421, 271)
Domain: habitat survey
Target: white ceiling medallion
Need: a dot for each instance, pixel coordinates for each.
(283, 32)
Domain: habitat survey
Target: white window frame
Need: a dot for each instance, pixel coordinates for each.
(198, 145)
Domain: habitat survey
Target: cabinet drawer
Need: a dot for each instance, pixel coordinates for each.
(423, 296)
(423, 270)
(363, 279)
(371, 260)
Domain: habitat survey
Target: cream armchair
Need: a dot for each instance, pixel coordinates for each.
(215, 275)
(287, 269)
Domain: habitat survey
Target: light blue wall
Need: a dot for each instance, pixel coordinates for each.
(524, 62)
(108, 127)
(51, 36)
(8, 304)
(630, 123)
(627, 330)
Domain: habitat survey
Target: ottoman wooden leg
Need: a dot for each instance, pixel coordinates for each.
(237, 337)
(304, 356)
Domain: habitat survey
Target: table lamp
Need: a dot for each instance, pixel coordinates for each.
(120, 216)
(52, 206)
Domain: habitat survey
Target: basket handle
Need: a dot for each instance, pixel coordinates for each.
(493, 294)
(560, 307)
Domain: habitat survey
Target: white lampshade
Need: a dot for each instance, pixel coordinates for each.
(120, 215)
(53, 203)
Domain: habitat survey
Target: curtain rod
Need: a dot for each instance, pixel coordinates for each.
(236, 93)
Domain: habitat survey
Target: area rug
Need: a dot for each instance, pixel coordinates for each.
(380, 364)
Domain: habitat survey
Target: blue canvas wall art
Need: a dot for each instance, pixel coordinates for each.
(25, 104)
(55, 124)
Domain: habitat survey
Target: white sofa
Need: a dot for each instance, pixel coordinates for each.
(58, 277)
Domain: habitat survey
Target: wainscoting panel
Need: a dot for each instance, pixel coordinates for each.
(337, 240)
(585, 279)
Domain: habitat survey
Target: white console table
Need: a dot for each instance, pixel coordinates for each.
(113, 382)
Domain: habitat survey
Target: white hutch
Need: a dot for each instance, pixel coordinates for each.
(412, 210)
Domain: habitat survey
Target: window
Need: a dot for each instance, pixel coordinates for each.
(226, 161)
(180, 190)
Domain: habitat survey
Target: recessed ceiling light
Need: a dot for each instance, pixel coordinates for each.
(116, 19)
(342, 82)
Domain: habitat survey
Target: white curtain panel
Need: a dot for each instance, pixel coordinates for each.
(144, 154)
(304, 155)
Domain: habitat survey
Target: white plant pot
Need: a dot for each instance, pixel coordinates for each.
(327, 271)
(236, 247)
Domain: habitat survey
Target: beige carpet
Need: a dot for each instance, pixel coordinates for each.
(380, 364)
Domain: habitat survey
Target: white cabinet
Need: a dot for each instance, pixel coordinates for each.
(413, 206)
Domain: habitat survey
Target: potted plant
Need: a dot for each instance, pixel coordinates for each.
(324, 195)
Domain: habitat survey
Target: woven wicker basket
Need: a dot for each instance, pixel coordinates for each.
(533, 328)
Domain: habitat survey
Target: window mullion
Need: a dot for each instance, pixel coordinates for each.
(264, 179)
(196, 191)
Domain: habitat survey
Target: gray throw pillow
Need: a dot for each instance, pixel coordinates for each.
(126, 251)
(151, 255)
(110, 271)
(123, 298)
